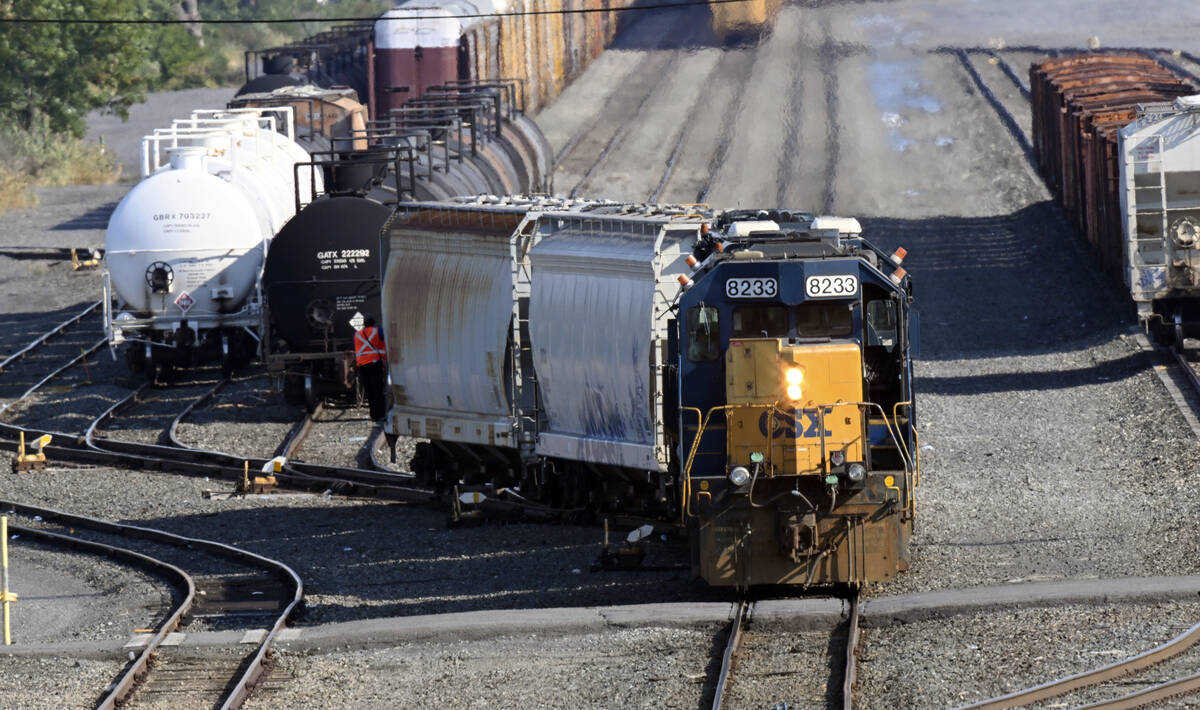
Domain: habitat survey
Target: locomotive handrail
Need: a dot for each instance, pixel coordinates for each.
(892, 429)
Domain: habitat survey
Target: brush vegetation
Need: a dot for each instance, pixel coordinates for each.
(55, 74)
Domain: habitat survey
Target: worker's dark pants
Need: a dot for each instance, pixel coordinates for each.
(373, 383)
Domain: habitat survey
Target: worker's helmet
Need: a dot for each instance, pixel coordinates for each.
(368, 320)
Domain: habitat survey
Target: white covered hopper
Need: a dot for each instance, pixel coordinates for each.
(601, 289)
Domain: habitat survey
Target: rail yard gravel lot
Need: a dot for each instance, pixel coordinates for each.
(67, 596)
(627, 668)
(1050, 450)
(55, 683)
(956, 661)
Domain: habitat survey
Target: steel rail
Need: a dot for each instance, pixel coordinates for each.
(1070, 683)
(848, 673)
(121, 405)
(618, 136)
(74, 361)
(173, 429)
(728, 118)
(121, 690)
(1188, 371)
(1146, 696)
(41, 340)
(734, 640)
(256, 666)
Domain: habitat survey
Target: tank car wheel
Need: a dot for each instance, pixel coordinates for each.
(156, 370)
(135, 358)
(293, 389)
(227, 364)
(311, 400)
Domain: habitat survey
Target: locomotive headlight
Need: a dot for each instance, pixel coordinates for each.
(739, 476)
(793, 377)
(856, 472)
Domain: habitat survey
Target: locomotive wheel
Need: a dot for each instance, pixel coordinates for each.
(1178, 332)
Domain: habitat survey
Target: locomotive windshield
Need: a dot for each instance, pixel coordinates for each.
(760, 321)
(823, 319)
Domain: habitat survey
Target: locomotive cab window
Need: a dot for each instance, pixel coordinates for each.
(823, 319)
(881, 323)
(760, 321)
(703, 333)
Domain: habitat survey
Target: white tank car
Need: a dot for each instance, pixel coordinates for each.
(185, 247)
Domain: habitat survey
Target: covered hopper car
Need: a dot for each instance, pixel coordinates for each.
(745, 374)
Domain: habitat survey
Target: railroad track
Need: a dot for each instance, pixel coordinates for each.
(167, 453)
(1153, 692)
(839, 691)
(220, 587)
(1095, 679)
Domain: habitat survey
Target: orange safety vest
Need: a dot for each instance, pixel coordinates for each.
(368, 346)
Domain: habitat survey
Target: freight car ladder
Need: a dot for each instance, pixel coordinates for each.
(1150, 250)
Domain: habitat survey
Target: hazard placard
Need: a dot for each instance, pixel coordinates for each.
(185, 301)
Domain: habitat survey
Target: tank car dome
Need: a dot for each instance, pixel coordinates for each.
(184, 230)
(420, 24)
(270, 82)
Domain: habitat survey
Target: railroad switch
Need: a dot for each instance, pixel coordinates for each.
(260, 484)
(465, 506)
(92, 260)
(35, 461)
(627, 555)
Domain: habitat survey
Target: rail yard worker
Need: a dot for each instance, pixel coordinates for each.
(370, 357)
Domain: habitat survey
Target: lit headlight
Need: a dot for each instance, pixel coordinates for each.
(739, 476)
(794, 376)
(856, 472)
(794, 392)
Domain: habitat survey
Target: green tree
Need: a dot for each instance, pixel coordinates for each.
(55, 73)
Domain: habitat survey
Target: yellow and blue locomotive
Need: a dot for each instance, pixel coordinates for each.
(745, 375)
(796, 403)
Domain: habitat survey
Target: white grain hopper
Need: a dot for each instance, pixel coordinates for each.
(1160, 201)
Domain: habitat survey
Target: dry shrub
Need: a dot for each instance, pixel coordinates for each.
(15, 191)
(41, 157)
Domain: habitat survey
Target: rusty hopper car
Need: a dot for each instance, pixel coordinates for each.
(743, 374)
(1080, 104)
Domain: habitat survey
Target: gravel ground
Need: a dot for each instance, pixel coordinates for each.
(800, 669)
(935, 664)
(1052, 450)
(70, 596)
(54, 683)
(247, 417)
(336, 437)
(626, 668)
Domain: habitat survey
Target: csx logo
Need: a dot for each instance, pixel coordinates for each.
(793, 424)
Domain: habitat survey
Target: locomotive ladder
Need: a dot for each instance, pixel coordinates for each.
(1147, 245)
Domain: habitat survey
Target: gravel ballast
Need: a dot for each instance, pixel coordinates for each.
(1050, 450)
